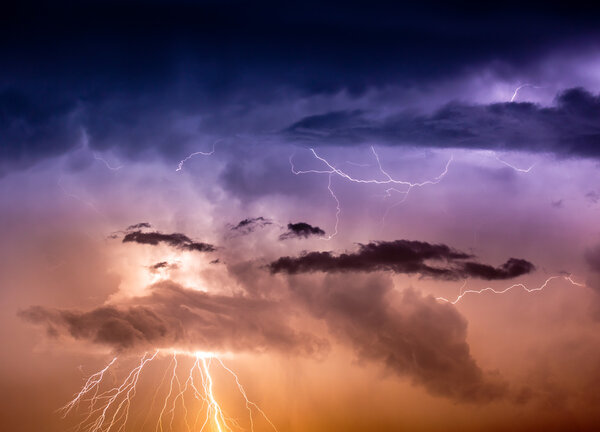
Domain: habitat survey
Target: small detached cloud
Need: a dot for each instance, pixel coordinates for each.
(163, 265)
(176, 240)
(301, 230)
(249, 225)
(402, 256)
(138, 226)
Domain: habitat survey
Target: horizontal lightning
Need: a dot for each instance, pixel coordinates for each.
(507, 289)
(331, 170)
(181, 162)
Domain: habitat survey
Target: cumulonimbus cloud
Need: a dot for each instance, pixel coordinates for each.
(402, 256)
(412, 335)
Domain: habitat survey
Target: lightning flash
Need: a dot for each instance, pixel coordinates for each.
(491, 290)
(191, 155)
(109, 410)
(400, 186)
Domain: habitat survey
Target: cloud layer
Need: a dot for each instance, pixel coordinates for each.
(569, 128)
(173, 316)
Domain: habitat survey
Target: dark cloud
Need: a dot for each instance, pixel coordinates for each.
(248, 225)
(512, 268)
(568, 128)
(177, 240)
(107, 325)
(155, 268)
(138, 226)
(172, 316)
(401, 256)
(301, 230)
(413, 336)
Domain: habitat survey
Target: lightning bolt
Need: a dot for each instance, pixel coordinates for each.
(110, 409)
(522, 86)
(92, 383)
(507, 289)
(331, 170)
(105, 162)
(191, 155)
(522, 170)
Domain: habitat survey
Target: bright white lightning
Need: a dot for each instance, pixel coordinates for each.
(505, 290)
(387, 180)
(109, 410)
(92, 383)
(181, 162)
(516, 92)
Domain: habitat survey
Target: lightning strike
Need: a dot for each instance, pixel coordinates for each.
(522, 86)
(522, 170)
(331, 170)
(191, 155)
(105, 162)
(507, 289)
(92, 383)
(110, 409)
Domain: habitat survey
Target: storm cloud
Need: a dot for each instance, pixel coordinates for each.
(173, 316)
(412, 336)
(570, 127)
(402, 256)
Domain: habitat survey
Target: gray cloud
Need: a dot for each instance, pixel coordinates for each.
(173, 316)
(413, 336)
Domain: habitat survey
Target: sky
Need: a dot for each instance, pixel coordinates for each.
(225, 215)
